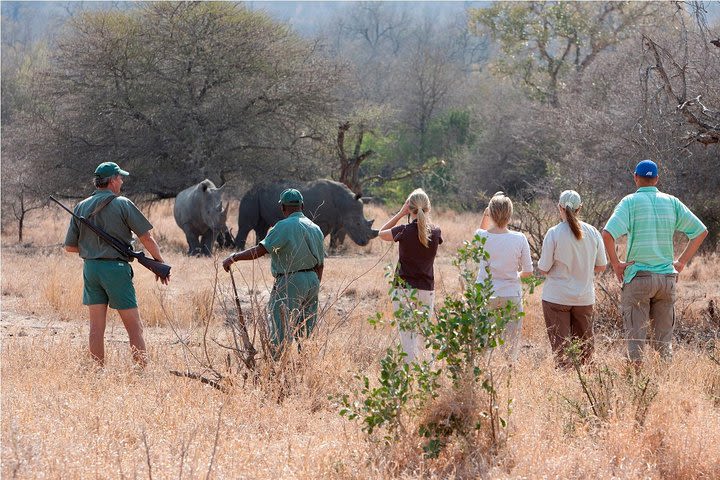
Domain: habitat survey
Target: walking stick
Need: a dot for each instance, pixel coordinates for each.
(249, 359)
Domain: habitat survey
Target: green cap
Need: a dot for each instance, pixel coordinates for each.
(109, 169)
(291, 197)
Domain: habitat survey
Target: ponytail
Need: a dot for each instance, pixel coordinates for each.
(423, 222)
(419, 204)
(573, 222)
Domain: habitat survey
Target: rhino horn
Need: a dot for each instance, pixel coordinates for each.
(366, 199)
(374, 233)
(370, 222)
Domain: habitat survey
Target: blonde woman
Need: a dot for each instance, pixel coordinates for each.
(418, 243)
(572, 253)
(509, 261)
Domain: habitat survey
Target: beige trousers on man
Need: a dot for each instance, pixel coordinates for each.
(413, 343)
(649, 301)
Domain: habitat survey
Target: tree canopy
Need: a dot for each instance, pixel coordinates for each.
(180, 92)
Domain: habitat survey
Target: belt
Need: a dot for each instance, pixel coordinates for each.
(645, 273)
(109, 259)
(296, 271)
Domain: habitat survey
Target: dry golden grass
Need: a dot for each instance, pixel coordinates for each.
(62, 419)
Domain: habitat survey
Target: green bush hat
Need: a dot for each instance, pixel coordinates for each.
(109, 169)
(291, 197)
(570, 198)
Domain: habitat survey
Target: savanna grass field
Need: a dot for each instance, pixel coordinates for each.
(62, 418)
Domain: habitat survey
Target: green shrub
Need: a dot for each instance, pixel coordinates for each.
(458, 344)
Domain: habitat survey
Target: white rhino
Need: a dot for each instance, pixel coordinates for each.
(331, 205)
(200, 214)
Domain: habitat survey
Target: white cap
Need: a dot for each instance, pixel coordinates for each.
(570, 198)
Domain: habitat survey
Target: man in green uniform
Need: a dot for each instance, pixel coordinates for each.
(107, 275)
(650, 218)
(295, 245)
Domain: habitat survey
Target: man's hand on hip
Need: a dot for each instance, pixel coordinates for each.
(619, 269)
(679, 266)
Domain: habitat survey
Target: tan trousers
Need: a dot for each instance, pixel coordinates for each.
(513, 330)
(649, 301)
(413, 343)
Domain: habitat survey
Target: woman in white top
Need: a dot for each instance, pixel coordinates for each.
(571, 253)
(509, 262)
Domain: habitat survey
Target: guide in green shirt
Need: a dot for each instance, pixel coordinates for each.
(295, 245)
(107, 275)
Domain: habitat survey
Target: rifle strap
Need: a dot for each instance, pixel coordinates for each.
(102, 205)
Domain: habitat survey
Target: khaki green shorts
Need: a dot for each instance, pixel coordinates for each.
(108, 282)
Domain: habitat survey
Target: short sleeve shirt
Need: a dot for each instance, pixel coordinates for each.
(650, 218)
(415, 263)
(570, 263)
(120, 218)
(509, 255)
(294, 243)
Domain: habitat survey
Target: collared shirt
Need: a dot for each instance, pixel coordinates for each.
(294, 243)
(570, 264)
(120, 218)
(650, 218)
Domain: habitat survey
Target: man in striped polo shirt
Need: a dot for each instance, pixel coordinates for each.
(650, 218)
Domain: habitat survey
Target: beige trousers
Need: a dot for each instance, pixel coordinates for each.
(648, 302)
(512, 333)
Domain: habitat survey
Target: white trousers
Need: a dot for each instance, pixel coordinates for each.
(413, 343)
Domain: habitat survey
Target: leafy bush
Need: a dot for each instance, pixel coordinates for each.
(459, 343)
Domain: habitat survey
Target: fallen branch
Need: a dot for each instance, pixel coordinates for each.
(197, 376)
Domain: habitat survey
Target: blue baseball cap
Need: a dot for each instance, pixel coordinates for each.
(646, 169)
(291, 197)
(109, 169)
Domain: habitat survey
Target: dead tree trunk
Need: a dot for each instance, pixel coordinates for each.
(350, 165)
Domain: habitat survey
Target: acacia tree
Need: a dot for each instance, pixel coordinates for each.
(27, 166)
(180, 92)
(545, 44)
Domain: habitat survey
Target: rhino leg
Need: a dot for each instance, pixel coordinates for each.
(225, 239)
(193, 242)
(241, 237)
(261, 231)
(337, 238)
(206, 243)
